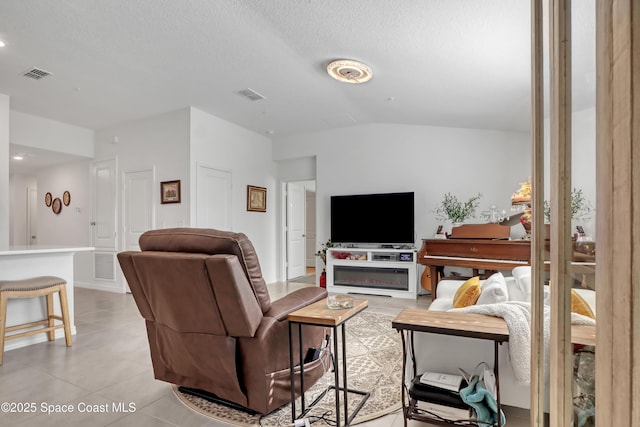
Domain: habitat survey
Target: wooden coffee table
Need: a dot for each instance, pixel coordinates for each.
(318, 314)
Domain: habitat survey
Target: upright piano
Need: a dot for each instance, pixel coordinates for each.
(487, 248)
(483, 247)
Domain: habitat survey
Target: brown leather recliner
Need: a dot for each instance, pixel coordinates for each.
(210, 322)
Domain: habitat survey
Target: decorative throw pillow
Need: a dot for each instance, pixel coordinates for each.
(468, 293)
(522, 277)
(580, 306)
(494, 290)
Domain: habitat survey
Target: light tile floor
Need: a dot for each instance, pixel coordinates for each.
(109, 364)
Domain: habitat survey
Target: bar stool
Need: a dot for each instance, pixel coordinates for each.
(29, 288)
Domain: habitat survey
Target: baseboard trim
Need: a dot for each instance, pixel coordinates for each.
(99, 287)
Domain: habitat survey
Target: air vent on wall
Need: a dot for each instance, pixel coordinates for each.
(250, 94)
(103, 266)
(36, 73)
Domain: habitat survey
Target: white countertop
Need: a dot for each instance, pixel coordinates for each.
(43, 249)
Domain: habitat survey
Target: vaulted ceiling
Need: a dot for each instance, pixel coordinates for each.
(460, 63)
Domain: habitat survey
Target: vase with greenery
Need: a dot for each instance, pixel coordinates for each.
(581, 209)
(455, 210)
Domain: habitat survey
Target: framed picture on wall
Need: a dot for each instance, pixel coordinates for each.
(256, 198)
(170, 191)
(56, 205)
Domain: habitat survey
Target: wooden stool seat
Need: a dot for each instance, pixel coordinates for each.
(29, 288)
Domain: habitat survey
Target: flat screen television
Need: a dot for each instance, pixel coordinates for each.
(386, 218)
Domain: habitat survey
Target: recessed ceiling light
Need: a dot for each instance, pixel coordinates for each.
(2, 43)
(18, 156)
(349, 71)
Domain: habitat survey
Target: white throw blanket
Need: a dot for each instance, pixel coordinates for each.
(517, 315)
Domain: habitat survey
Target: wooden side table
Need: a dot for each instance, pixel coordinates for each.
(318, 314)
(469, 325)
(457, 324)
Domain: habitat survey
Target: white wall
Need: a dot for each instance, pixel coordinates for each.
(65, 229)
(222, 145)
(300, 169)
(174, 143)
(159, 143)
(430, 161)
(71, 226)
(38, 132)
(4, 171)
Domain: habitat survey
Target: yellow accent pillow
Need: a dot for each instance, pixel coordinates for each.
(468, 293)
(580, 306)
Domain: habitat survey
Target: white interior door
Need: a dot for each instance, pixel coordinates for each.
(310, 215)
(32, 216)
(103, 221)
(104, 204)
(213, 201)
(295, 230)
(138, 207)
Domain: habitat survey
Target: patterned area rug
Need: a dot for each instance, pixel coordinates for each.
(374, 364)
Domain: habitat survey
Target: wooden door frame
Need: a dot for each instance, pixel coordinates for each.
(618, 212)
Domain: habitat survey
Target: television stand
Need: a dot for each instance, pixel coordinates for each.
(383, 271)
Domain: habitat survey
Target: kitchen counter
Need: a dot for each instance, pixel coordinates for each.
(22, 262)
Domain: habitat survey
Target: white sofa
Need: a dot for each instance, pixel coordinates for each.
(446, 354)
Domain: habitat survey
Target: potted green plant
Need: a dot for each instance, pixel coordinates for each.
(456, 211)
(322, 253)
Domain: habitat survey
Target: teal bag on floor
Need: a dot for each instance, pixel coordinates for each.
(480, 394)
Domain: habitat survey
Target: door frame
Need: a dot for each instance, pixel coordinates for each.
(32, 213)
(282, 267)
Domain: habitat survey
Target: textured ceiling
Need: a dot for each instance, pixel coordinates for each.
(462, 63)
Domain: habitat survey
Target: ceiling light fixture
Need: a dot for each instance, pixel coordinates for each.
(18, 156)
(349, 71)
(2, 43)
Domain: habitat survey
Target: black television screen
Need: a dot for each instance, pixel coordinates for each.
(373, 218)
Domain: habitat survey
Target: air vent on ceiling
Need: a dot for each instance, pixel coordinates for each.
(250, 94)
(36, 73)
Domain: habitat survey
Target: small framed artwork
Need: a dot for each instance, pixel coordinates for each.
(47, 199)
(256, 198)
(56, 205)
(170, 191)
(66, 198)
